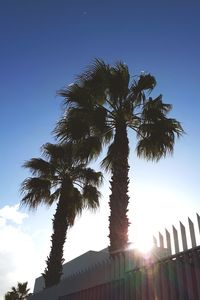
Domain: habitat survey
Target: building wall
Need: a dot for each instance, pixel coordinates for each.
(76, 265)
(101, 270)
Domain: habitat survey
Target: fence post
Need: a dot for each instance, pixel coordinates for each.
(168, 240)
(183, 237)
(161, 241)
(198, 221)
(176, 243)
(192, 233)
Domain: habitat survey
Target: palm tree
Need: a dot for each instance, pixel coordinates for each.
(18, 293)
(63, 178)
(103, 103)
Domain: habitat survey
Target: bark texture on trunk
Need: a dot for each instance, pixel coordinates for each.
(53, 271)
(119, 198)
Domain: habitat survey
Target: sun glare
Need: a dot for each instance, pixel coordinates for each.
(149, 214)
(142, 245)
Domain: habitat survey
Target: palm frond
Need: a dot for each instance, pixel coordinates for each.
(22, 288)
(146, 83)
(155, 109)
(96, 80)
(118, 83)
(87, 199)
(96, 72)
(14, 290)
(75, 205)
(19, 292)
(88, 148)
(157, 139)
(50, 151)
(91, 196)
(62, 132)
(59, 155)
(99, 118)
(88, 176)
(36, 191)
(74, 126)
(54, 196)
(77, 96)
(39, 167)
(107, 162)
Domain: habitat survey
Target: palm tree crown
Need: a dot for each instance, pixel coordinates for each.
(61, 177)
(18, 293)
(105, 101)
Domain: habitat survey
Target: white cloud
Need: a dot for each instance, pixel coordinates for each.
(20, 257)
(2, 222)
(12, 213)
(25, 243)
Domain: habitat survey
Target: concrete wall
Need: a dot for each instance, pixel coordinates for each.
(76, 265)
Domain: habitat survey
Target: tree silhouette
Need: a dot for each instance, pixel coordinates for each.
(101, 105)
(61, 177)
(21, 292)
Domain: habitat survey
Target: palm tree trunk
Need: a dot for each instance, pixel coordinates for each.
(119, 198)
(53, 271)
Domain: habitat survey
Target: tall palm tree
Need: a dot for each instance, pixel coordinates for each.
(21, 292)
(101, 105)
(61, 178)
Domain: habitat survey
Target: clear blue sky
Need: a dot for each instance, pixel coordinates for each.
(45, 43)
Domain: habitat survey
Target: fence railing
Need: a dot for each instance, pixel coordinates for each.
(173, 278)
(185, 237)
(164, 275)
